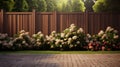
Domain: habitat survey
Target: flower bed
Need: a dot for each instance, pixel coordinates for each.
(72, 38)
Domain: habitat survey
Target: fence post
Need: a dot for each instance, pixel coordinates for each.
(1, 21)
(33, 23)
(87, 21)
(55, 20)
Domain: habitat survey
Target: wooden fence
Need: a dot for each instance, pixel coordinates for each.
(12, 22)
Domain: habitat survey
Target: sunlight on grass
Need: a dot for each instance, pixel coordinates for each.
(60, 52)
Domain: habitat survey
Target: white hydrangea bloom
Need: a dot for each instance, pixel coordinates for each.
(61, 46)
(101, 33)
(74, 37)
(71, 29)
(67, 35)
(65, 39)
(22, 31)
(104, 35)
(39, 32)
(71, 46)
(23, 42)
(34, 35)
(53, 32)
(80, 30)
(38, 40)
(52, 46)
(78, 42)
(62, 34)
(109, 29)
(11, 43)
(20, 37)
(88, 35)
(56, 42)
(116, 36)
(69, 40)
(48, 42)
(41, 35)
(38, 43)
(63, 42)
(72, 25)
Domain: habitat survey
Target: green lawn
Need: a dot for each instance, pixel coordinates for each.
(59, 52)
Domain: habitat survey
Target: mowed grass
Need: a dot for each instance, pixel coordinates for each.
(59, 52)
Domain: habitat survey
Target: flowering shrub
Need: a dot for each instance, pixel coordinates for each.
(110, 37)
(75, 38)
(22, 40)
(39, 41)
(52, 40)
(5, 42)
(107, 39)
(72, 38)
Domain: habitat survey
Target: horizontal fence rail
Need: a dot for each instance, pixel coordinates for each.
(13, 22)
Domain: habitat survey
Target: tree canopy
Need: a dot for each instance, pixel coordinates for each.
(42, 6)
(78, 6)
(21, 5)
(107, 6)
(7, 5)
(51, 5)
(61, 5)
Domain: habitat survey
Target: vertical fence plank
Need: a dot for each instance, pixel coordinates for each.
(49, 21)
(1, 21)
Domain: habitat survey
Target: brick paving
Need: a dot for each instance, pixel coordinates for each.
(60, 60)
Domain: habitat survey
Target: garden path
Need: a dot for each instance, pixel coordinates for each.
(60, 60)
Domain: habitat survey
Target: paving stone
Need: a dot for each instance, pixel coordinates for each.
(60, 60)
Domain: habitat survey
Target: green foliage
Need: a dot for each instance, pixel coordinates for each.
(73, 6)
(21, 41)
(106, 6)
(32, 4)
(51, 5)
(42, 6)
(21, 5)
(78, 6)
(7, 5)
(67, 7)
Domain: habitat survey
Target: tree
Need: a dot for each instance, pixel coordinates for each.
(21, 5)
(7, 5)
(51, 5)
(78, 6)
(107, 6)
(64, 7)
(32, 4)
(69, 5)
(88, 5)
(42, 6)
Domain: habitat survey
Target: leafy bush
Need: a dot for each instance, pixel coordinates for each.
(72, 38)
(5, 43)
(39, 41)
(22, 40)
(107, 39)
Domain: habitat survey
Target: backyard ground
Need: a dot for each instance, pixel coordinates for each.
(56, 59)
